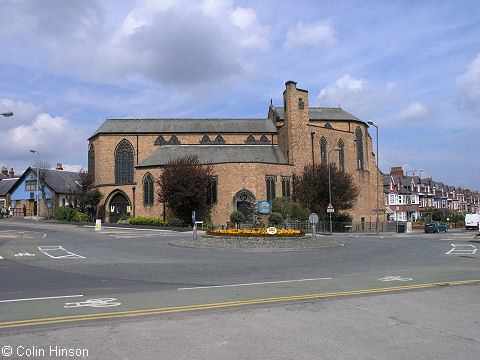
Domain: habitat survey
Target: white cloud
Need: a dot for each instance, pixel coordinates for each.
(319, 34)
(360, 97)
(174, 41)
(469, 85)
(30, 128)
(414, 112)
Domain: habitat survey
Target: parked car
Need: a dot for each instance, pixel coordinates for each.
(435, 227)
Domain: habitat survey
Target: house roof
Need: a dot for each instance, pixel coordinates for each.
(6, 185)
(60, 181)
(319, 114)
(159, 126)
(217, 154)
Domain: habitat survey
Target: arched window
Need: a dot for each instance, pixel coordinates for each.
(159, 141)
(341, 155)
(148, 194)
(205, 140)
(91, 162)
(323, 150)
(250, 139)
(219, 140)
(359, 140)
(124, 163)
(174, 140)
(264, 140)
(328, 126)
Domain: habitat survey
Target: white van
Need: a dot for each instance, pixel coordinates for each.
(472, 221)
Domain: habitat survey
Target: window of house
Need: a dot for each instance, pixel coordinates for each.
(91, 161)
(264, 140)
(212, 191)
(205, 140)
(30, 185)
(159, 141)
(174, 140)
(391, 199)
(271, 184)
(341, 155)
(124, 163)
(400, 199)
(359, 141)
(148, 194)
(250, 139)
(328, 126)
(220, 140)
(323, 150)
(286, 187)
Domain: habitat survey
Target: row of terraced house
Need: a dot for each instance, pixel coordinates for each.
(407, 197)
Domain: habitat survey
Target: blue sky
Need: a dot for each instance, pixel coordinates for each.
(411, 67)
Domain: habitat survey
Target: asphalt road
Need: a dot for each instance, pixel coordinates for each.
(52, 275)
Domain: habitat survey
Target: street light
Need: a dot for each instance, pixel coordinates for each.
(378, 219)
(329, 184)
(411, 171)
(7, 114)
(38, 165)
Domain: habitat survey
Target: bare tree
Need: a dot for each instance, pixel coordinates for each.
(43, 167)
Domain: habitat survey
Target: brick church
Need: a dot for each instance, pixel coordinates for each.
(253, 159)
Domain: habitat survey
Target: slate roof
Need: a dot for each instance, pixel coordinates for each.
(134, 126)
(217, 154)
(6, 185)
(61, 181)
(324, 114)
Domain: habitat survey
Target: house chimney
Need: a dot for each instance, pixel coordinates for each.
(4, 171)
(396, 171)
(11, 174)
(59, 166)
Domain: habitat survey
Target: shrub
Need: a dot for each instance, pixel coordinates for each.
(147, 221)
(275, 218)
(123, 221)
(65, 213)
(208, 225)
(289, 209)
(176, 222)
(300, 214)
(80, 217)
(237, 217)
(342, 218)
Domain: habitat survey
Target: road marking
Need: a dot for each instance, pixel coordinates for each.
(67, 254)
(470, 249)
(41, 298)
(249, 284)
(131, 229)
(104, 302)
(24, 254)
(395, 278)
(134, 313)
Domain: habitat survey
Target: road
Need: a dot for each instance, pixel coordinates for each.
(58, 277)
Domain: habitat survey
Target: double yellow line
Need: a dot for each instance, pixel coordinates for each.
(176, 309)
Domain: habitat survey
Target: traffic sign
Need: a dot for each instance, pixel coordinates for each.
(313, 218)
(193, 216)
(330, 208)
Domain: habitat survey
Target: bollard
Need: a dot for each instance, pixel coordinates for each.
(98, 225)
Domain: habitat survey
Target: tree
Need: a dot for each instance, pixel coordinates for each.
(184, 186)
(43, 167)
(91, 201)
(311, 189)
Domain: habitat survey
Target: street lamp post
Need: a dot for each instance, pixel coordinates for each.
(38, 173)
(7, 114)
(330, 185)
(378, 218)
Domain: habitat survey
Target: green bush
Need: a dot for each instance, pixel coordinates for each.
(300, 214)
(147, 221)
(208, 225)
(342, 218)
(237, 217)
(176, 222)
(289, 209)
(275, 218)
(123, 221)
(65, 213)
(80, 217)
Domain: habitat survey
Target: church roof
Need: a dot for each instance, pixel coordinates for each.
(149, 126)
(217, 154)
(326, 114)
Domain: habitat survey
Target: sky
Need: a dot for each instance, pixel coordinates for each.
(411, 67)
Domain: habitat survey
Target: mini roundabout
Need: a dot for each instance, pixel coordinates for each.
(269, 239)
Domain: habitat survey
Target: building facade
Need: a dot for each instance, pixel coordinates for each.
(253, 159)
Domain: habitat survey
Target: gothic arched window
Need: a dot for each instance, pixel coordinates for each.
(205, 140)
(124, 163)
(250, 139)
(359, 140)
(159, 141)
(264, 140)
(341, 155)
(219, 140)
(91, 162)
(148, 194)
(174, 140)
(328, 126)
(323, 150)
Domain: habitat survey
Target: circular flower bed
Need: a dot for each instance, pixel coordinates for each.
(256, 233)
